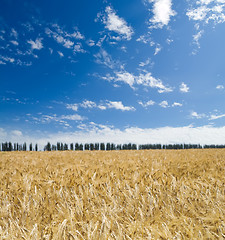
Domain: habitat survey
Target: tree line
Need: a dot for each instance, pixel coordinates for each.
(8, 146)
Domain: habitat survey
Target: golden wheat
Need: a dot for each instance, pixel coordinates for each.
(155, 194)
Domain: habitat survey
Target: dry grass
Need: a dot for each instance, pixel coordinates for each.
(113, 195)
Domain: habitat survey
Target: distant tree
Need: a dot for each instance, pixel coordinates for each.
(24, 147)
(112, 146)
(20, 147)
(30, 147)
(97, 146)
(77, 147)
(134, 147)
(10, 147)
(118, 147)
(124, 147)
(86, 146)
(108, 146)
(48, 147)
(58, 146)
(129, 146)
(102, 146)
(36, 147)
(91, 146)
(54, 147)
(71, 146)
(81, 147)
(61, 147)
(65, 147)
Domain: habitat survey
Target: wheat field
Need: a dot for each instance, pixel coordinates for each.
(152, 194)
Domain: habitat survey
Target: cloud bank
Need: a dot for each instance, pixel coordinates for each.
(102, 133)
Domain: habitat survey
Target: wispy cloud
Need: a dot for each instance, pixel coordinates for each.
(103, 57)
(149, 81)
(66, 39)
(207, 11)
(74, 107)
(88, 104)
(14, 42)
(176, 104)
(6, 59)
(103, 105)
(197, 115)
(119, 106)
(147, 62)
(37, 44)
(60, 54)
(146, 104)
(116, 24)
(214, 117)
(125, 77)
(164, 104)
(220, 87)
(184, 88)
(132, 80)
(59, 119)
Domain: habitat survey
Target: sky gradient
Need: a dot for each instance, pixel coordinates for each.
(140, 71)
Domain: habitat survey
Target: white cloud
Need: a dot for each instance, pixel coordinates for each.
(142, 79)
(197, 37)
(79, 48)
(157, 49)
(147, 62)
(6, 59)
(103, 105)
(207, 11)
(14, 42)
(60, 54)
(119, 106)
(214, 117)
(17, 133)
(46, 119)
(162, 10)
(125, 77)
(146, 104)
(176, 104)
(197, 115)
(74, 107)
(66, 39)
(220, 87)
(88, 104)
(149, 81)
(100, 41)
(90, 43)
(14, 33)
(102, 57)
(37, 44)
(74, 117)
(164, 104)
(76, 35)
(115, 23)
(184, 88)
(68, 44)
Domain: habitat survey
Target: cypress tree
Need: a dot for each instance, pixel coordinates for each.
(71, 146)
(102, 146)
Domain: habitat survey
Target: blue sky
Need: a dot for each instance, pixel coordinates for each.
(138, 71)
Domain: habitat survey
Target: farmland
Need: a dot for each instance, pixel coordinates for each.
(145, 194)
